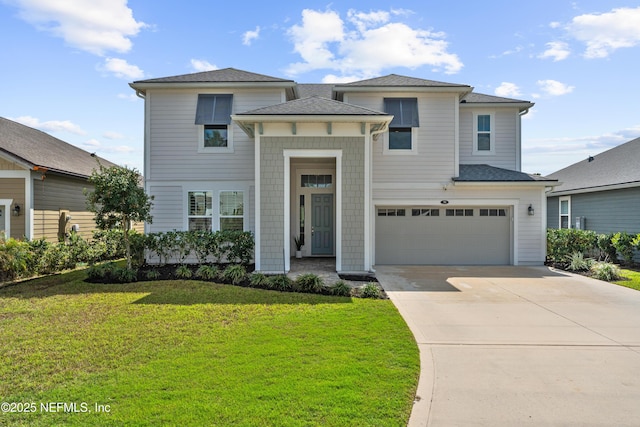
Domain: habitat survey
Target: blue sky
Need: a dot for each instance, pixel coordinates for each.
(66, 64)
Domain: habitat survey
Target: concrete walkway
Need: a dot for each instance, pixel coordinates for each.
(507, 346)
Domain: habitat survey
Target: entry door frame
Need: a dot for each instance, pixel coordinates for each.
(313, 220)
(288, 155)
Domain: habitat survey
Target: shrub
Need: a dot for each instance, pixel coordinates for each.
(370, 290)
(280, 282)
(340, 288)
(125, 275)
(207, 272)
(183, 272)
(152, 274)
(623, 242)
(15, 259)
(258, 280)
(579, 262)
(308, 282)
(234, 274)
(605, 271)
(607, 250)
(562, 243)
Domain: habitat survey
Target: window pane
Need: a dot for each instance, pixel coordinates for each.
(564, 207)
(401, 212)
(382, 212)
(468, 212)
(200, 202)
(564, 222)
(199, 224)
(435, 212)
(484, 142)
(399, 138)
(231, 203)
(215, 136)
(484, 123)
(234, 224)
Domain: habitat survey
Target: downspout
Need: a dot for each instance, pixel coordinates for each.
(140, 93)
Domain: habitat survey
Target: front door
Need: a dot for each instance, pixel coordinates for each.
(322, 224)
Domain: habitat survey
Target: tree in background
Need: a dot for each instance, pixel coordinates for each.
(118, 200)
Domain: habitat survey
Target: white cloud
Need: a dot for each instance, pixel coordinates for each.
(51, 125)
(128, 96)
(553, 88)
(606, 32)
(113, 135)
(202, 65)
(556, 51)
(365, 44)
(92, 143)
(249, 36)
(95, 26)
(507, 89)
(121, 68)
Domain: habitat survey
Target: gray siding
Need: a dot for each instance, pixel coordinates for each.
(174, 138)
(553, 212)
(272, 196)
(434, 160)
(606, 211)
(506, 138)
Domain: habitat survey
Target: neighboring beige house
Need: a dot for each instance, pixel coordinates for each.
(390, 170)
(41, 184)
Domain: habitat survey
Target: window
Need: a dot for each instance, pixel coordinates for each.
(316, 181)
(493, 212)
(565, 212)
(200, 210)
(425, 212)
(459, 212)
(391, 212)
(483, 135)
(403, 127)
(231, 210)
(213, 114)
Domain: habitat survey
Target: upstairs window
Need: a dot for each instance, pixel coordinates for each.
(213, 114)
(403, 127)
(483, 133)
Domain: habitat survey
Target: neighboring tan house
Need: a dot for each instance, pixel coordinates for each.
(390, 170)
(41, 184)
(601, 193)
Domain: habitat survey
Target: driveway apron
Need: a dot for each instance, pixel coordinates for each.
(506, 346)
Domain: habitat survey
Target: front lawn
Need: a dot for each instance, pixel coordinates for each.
(197, 353)
(630, 279)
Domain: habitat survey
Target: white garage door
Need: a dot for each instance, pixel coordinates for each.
(443, 236)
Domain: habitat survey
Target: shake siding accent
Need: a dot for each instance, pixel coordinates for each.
(505, 138)
(9, 166)
(434, 160)
(13, 188)
(167, 208)
(272, 197)
(174, 137)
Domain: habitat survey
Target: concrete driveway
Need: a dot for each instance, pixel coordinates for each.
(507, 346)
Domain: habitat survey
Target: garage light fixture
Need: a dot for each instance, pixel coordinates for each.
(530, 210)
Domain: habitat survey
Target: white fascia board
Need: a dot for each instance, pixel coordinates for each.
(503, 184)
(519, 105)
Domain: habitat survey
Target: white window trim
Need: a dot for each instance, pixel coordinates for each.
(403, 152)
(560, 214)
(227, 149)
(492, 134)
(244, 209)
(6, 203)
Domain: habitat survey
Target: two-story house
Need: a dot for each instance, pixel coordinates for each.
(390, 170)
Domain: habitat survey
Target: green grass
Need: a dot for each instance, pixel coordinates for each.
(630, 279)
(196, 353)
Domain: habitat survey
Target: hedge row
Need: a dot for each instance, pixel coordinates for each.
(562, 244)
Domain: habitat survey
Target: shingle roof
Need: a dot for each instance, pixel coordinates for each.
(313, 105)
(480, 98)
(400, 81)
(225, 75)
(486, 173)
(618, 165)
(37, 148)
(316, 89)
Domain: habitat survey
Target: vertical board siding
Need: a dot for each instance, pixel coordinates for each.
(13, 188)
(174, 137)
